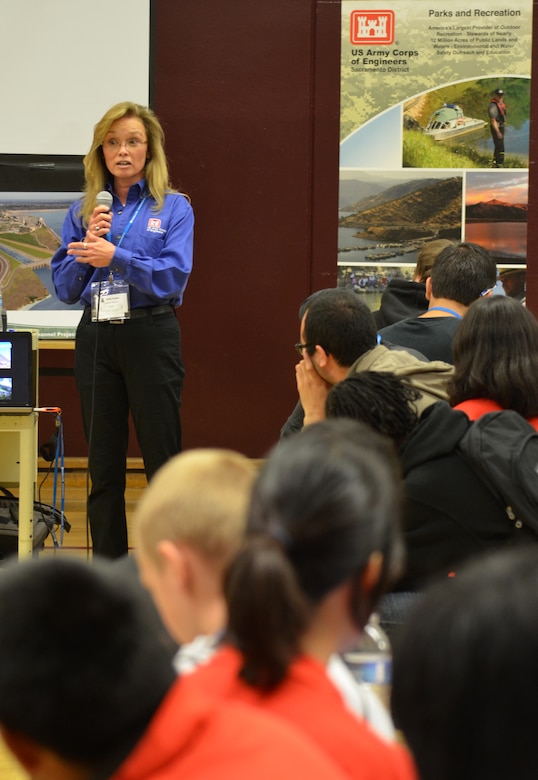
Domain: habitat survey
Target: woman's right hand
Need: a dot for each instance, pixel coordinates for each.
(100, 221)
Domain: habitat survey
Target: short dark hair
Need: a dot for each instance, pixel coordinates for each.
(465, 674)
(80, 673)
(377, 398)
(341, 323)
(495, 352)
(323, 502)
(462, 271)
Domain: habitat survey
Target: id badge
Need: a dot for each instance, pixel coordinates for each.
(110, 300)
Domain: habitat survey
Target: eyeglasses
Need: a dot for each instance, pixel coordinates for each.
(486, 291)
(300, 347)
(113, 144)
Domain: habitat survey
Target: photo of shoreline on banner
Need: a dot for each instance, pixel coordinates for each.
(453, 126)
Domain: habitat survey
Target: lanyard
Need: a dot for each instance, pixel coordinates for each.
(448, 311)
(130, 223)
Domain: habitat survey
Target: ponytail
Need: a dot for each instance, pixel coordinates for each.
(267, 625)
(323, 502)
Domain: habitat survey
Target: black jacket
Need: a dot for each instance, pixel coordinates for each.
(432, 336)
(400, 299)
(449, 514)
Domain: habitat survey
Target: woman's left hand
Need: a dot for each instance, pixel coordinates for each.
(93, 250)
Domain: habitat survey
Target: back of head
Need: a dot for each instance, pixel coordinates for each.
(427, 257)
(462, 272)
(495, 353)
(325, 501)
(199, 497)
(80, 673)
(341, 323)
(377, 398)
(465, 672)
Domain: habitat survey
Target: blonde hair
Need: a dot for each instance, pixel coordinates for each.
(199, 497)
(156, 171)
(427, 257)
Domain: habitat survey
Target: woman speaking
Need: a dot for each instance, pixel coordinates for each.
(126, 254)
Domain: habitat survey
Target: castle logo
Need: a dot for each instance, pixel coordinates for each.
(371, 27)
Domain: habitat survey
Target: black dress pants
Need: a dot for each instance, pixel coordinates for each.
(135, 366)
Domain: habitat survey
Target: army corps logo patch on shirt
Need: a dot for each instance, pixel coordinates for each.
(154, 226)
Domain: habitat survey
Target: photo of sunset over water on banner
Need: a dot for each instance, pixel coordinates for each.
(496, 208)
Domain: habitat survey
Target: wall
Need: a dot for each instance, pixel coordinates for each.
(248, 93)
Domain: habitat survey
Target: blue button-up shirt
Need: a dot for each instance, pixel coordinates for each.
(155, 255)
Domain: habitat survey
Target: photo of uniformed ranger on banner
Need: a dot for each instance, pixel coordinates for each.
(482, 123)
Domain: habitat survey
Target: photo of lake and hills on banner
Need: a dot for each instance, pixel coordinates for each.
(385, 218)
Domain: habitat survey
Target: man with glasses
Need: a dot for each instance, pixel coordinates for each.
(461, 274)
(338, 338)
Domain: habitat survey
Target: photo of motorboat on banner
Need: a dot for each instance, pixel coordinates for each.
(449, 121)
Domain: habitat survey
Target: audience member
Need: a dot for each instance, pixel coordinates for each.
(189, 524)
(87, 693)
(461, 274)
(465, 673)
(322, 545)
(496, 360)
(403, 298)
(338, 338)
(513, 281)
(449, 513)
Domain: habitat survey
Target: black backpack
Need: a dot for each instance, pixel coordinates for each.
(46, 520)
(502, 449)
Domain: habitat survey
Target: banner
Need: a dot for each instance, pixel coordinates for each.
(435, 106)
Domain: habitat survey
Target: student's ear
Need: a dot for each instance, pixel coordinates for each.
(372, 572)
(363, 589)
(175, 563)
(428, 288)
(25, 750)
(322, 357)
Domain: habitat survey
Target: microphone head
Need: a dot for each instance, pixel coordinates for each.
(104, 198)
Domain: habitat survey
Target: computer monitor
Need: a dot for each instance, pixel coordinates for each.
(17, 385)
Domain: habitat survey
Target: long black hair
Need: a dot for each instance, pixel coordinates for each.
(495, 353)
(323, 503)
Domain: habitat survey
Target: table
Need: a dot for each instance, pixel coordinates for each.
(18, 467)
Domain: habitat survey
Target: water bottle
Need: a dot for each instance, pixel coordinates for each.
(370, 660)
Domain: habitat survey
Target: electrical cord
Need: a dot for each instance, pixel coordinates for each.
(92, 413)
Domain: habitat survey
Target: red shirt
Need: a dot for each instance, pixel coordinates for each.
(476, 407)
(308, 698)
(197, 737)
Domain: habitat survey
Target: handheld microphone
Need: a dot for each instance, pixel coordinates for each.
(104, 198)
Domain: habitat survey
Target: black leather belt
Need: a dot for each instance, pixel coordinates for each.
(144, 311)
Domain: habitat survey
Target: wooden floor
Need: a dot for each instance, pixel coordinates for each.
(74, 542)
(78, 540)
